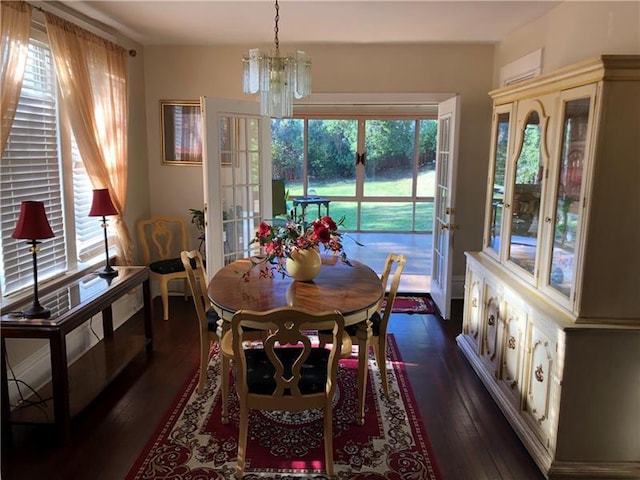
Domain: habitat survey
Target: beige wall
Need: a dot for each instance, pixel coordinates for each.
(187, 73)
(575, 31)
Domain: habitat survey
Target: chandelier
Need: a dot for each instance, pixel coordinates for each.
(278, 79)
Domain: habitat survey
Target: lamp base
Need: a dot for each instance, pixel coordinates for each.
(37, 311)
(107, 272)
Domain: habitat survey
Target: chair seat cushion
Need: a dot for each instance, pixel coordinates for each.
(163, 267)
(260, 370)
(212, 320)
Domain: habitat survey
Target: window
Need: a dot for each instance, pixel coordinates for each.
(377, 171)
(42, 163)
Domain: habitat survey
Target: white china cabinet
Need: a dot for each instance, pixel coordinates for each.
(552, 302)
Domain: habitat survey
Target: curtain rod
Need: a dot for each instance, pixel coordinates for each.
(56, 8)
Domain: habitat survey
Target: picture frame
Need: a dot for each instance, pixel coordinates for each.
(181, 132)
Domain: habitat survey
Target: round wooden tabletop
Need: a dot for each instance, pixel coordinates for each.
(354, 290)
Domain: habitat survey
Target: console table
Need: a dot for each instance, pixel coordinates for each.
(73, 386)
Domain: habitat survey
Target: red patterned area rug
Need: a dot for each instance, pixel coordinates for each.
(192, 443)
(404, 304)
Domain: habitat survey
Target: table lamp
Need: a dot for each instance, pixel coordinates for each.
(101, 207)
(33, 226)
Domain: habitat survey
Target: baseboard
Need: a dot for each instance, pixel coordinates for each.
(594, 471)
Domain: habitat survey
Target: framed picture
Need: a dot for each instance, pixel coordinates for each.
(181, 131)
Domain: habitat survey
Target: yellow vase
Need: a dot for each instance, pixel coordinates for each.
(304, 265)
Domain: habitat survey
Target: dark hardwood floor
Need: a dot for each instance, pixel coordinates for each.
(470, 437)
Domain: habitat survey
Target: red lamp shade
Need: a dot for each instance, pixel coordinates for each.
(33, 223)
(102, 205)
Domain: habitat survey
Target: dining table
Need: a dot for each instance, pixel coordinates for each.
(350, 287)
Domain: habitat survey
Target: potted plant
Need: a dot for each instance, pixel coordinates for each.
(197, 218)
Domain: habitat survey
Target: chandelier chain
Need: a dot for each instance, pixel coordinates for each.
(277, 17)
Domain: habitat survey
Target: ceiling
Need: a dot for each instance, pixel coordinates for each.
(307, 22)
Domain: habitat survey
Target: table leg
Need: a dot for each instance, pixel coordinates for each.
(107, 322)
(60, 385)
(363, 335)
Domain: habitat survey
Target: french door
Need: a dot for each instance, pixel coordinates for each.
(237, 178)
(444, 225)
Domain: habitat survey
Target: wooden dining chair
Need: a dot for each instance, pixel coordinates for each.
(289, 372)
(208, 319)
(379, 320)
(211, 327)
(161, 240)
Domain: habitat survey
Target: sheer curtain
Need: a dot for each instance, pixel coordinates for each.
(92, 76)
(14, 44)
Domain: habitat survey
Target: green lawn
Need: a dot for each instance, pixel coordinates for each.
(378, 216)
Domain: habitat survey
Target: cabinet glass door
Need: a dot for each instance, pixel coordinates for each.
(568, 194)
(525, 196)
(500, 149)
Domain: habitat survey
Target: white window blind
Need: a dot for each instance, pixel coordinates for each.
(89, 235)
(30, 170)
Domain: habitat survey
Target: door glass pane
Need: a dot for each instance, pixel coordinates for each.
(389, 147)
(240, 181)
(567, 212)
(441, 245)
(525, 206)
(500, 147)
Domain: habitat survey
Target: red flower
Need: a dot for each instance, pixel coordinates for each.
(264, 231)
(321, 232)
(331, 225)
(279, 242)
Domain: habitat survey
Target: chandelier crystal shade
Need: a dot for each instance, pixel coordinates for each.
(278, 79)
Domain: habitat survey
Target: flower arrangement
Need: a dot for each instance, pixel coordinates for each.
(280, 242)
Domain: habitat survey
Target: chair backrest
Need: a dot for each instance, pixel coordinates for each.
(162, 238)
(278, 200)
(282, 381)
(399, 261)
(197, 280)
